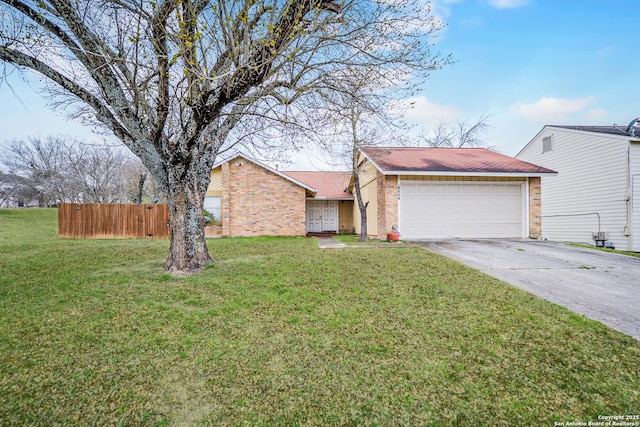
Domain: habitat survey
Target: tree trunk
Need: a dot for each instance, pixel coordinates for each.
(143, 178)
(188, 251)
(361, 205)
(363, 223)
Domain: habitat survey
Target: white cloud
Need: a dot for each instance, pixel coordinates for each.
(427, 113)
(548, 109)
(442, 7)
(595, 114)
(507, 4)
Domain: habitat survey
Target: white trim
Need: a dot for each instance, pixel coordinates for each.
(456, 173)
(588, 132)
(399, 196)
(525, 212)
(634, 239)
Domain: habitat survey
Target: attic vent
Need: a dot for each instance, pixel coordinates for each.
(633, 129)
(547, 144)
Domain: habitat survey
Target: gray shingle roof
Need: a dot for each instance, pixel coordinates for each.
(610, 130)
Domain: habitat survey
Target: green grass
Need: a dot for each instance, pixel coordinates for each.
(635, 254)
(281, 333)
(354, 240)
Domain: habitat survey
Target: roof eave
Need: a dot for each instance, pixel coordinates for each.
(585, 131)
(458, 173)
(366, 156)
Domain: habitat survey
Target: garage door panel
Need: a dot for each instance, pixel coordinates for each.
(439, 190)
(469, 189)
(466, 210)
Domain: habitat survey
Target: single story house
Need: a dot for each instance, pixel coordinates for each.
(597, 188)
(252, 199)
(449, 193)
(425, 192)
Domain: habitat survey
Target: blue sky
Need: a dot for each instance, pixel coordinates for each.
(525, 63)
(528, 63)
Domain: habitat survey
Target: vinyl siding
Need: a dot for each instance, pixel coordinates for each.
(634, 203)
(215, 185)
(592, 177)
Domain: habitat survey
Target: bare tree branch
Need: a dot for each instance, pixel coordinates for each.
(180, 81)
(460, 135)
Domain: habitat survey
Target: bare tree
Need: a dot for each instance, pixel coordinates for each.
(362, 117)
(43, 165)
(9, 189)
(16, 191)
(58, 169)
(458, 135)
(176, 80)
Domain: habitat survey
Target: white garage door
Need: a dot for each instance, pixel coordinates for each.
(463, 210)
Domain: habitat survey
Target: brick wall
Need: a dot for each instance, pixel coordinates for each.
(387, 204)
(257, 202)
(535, 208)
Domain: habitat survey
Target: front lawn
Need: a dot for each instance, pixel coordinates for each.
(281, 333)
(354, 240)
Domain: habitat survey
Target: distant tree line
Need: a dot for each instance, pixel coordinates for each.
(46, 171)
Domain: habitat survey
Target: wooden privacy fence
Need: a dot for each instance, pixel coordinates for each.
(112, 221)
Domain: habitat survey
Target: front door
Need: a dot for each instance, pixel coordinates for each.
(322, 216)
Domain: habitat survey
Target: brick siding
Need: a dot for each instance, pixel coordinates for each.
(258, 202)
(387, 204)
(535, 208)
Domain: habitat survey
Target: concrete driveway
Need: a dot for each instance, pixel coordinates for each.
(601, 285)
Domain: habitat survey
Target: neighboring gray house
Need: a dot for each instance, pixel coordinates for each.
(598, 183)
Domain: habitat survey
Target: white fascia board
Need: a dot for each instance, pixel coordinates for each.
(532, 139)
(487, 174)
(606, 135)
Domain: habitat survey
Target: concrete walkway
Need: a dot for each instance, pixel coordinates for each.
(330, 243)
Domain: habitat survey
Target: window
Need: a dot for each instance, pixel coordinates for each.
(547, 144)
(212, 204)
